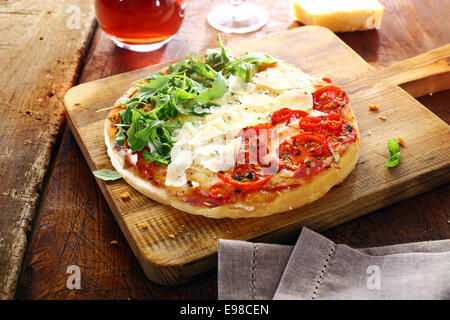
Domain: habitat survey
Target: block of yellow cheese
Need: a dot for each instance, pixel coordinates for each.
(339, 15)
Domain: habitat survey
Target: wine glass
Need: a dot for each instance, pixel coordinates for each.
(236, 16)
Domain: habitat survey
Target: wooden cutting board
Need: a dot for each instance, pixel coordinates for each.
(177, 246)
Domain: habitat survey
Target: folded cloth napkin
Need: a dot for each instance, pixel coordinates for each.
(317, 268)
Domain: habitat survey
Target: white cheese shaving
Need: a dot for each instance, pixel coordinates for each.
(284, 77)
(294, 99)
(181, 160)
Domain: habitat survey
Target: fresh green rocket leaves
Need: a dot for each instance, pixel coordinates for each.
(217, 90)
(246, 66)
(188, 89)
(147, 131)
(394, 150)
(218, 58)
(120, 136)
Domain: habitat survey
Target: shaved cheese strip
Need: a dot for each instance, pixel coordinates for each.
(294, 99)
(181, 160)
(283, 77)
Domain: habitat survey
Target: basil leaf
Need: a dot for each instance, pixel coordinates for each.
(393, 146)
(393, 161)
(394, 150)
(107, 174)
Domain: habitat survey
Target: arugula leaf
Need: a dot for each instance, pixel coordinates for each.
(218, 58)
(136, 126)
(126, 115)
(249, 64)
(153, 86)
(218, 88)
(154, 157)
(107, 174)
(394, 150)
(120, 136)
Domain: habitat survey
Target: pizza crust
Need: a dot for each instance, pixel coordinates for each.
(309, 191)
(288, 199)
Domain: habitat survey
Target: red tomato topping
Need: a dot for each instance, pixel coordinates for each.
(345, 134)
(326, 79)
(254, 143)
(299, 150)
(219, 191)
(298, 114)
(334, 122)
(310, 123)
(313, 143)
(245, 177)
(281, 115)
(329, 99)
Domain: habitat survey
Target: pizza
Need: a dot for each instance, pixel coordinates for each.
(225, 136)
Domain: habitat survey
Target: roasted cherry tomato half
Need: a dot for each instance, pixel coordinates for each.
(245, 177)
(303, 153)
(346, 134)
(306, 144)
(219, 191)
(254, 143)
(281, 115)
(298, 114)
(334, 122)
(310, 123)
(329, 99)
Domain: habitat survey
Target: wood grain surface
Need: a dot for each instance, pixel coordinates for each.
(75, 225)
(37, 68)
(172, 254)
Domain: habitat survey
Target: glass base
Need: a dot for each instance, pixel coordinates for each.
(140, 47)
(243, 18)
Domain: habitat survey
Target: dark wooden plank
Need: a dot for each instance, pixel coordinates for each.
(41, 49)
(424, 217)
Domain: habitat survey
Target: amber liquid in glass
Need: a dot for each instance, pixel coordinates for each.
(140, 21)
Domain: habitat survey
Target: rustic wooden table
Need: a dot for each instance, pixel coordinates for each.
(72, 222)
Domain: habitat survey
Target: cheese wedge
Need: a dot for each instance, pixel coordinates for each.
(339, 15)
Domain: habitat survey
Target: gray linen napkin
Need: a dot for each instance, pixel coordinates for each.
(317, 268)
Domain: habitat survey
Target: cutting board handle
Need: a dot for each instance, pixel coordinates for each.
(423, 74)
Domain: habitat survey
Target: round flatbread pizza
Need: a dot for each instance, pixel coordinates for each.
(224, 136)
